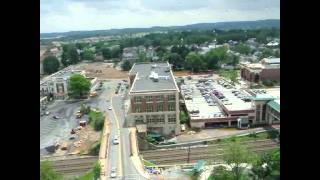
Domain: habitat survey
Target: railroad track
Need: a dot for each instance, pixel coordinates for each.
(212, 152)
(74, 166)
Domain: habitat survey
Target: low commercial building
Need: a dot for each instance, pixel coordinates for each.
(214, 103)
(267, 69)
(57, 83)
(154, 98)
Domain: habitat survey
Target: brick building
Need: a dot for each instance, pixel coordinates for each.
(267, 69)
(154, 98)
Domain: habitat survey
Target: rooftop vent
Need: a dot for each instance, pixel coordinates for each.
(154, 76)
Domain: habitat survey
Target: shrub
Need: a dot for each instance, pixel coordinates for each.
(253, 134)
(273, 134)
(196, 129)
(96, 120)
(268, 83)
(95, 148)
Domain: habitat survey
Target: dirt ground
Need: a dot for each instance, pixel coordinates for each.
(85, 138)
(102, 70)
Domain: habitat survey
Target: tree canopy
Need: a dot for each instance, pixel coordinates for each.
(126, 65)
(79, 86)
(51, 64)
(88, 55)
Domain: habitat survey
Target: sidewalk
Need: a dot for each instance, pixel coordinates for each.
(135, 158)
(104, 148)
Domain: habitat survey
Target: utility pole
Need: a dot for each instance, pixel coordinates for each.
(188, 155)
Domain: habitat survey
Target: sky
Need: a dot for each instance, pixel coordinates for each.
(76, 15)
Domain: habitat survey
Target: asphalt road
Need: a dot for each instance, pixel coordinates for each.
(52, 130)
(128, 171)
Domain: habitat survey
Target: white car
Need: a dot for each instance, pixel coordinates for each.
(116, 140)
(109, 108)
(113, 173)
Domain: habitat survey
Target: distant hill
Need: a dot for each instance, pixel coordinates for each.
(270, 23)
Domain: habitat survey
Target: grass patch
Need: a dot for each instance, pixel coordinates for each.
(229, 74)
(148, 163)
(88, 176)
(250, 137)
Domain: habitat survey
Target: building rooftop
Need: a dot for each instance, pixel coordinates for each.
(271, 60)
(152, 77)
(274, 105)
(263, 97)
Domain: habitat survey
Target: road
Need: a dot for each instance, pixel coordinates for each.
(119, 155)
(52, 130)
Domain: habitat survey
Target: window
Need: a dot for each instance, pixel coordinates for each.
(149, 107)
(172, 119)
(171, 106)
(149, 119)
(137, 108)
(160, 98)
(139, 119)
(263, 112)
(159, 107)
(171, 97)
(149, 98)
(137, 99)
(161, 119)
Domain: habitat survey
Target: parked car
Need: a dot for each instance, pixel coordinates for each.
(47, 113)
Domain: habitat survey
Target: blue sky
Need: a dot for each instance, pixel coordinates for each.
(73, 15)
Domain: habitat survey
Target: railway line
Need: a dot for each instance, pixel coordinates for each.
(74, 166)
(193, 154)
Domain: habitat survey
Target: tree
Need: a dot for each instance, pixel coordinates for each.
(232, 59)
(96, 120)
(73, 55)
(106, 53)
(242, 49)
(126, 65)
(88, 55)
(115, 52)
(96, 170)
(142, 57)
(183, 117)
(238, 158)
(47, 172)
(65, 55)
(174, 59)
(215, 57)
(195, 62)
(220, 173)
(78, 86)
(51, 64)
(267, 165)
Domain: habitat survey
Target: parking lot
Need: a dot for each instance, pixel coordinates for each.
(53, 130)
(206, 97)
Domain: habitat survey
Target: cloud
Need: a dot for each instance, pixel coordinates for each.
(68, 15)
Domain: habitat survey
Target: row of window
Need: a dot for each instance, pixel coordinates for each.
(156, 119)
(138, 99)
(159, 107)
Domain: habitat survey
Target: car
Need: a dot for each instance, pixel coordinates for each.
(116, 140)
(113, 169)
(113, 174)
(56, 117)
(98, 89)
(109, 108)
(47, 113)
